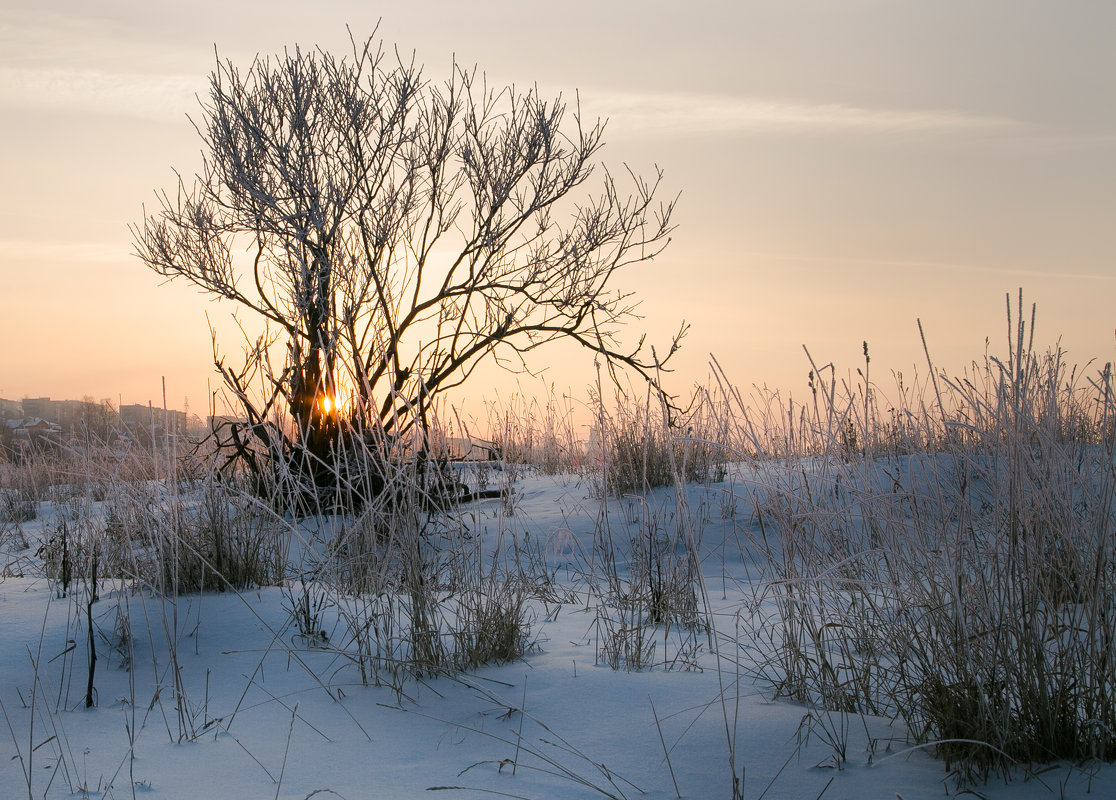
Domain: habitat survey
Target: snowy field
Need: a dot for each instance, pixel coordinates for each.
(224, 694)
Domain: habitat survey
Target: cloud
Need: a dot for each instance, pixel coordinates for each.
(152, 97)
(676, 113)
(169, 97)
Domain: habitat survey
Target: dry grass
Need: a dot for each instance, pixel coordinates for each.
(967, 587)
(647, 445)
(946, 558)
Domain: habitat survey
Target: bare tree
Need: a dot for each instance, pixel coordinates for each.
(394, 232)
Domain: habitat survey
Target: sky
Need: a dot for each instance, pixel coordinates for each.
(843, 170)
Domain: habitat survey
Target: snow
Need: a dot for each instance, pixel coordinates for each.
(260, 711)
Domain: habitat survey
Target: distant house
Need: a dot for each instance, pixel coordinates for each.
(72, 416)
(78, 418)
(32, 428)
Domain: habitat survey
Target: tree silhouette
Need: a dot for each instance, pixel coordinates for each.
(394, 232)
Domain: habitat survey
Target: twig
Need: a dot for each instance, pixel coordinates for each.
(286, 751)
(666, 752)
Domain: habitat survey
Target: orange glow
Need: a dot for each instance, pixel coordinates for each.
(328, 404)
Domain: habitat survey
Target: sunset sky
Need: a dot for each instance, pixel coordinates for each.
(844, 168)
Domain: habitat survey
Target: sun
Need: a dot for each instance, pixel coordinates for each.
(328, 404)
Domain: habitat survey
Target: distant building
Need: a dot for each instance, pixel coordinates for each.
(144, 421)
(10, 409)
(74, 417)
(86, 417)
(37, 407)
